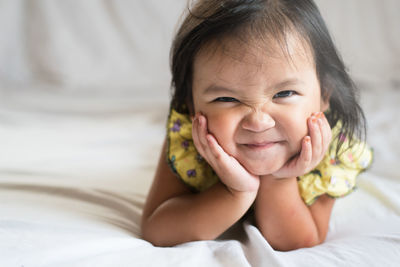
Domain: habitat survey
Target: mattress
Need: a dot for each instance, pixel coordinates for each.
(74, 176)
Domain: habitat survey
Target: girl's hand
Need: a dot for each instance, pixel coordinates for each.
(313, 148)
(228, 169)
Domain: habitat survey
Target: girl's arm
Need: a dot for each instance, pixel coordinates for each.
(173, 215)
(285, 220)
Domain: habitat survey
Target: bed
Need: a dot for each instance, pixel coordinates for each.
(84, 93)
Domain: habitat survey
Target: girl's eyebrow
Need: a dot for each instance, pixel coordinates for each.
(214, 89)
(287, 82)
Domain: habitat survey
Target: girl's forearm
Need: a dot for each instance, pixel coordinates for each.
(191, 217)
(283, 218)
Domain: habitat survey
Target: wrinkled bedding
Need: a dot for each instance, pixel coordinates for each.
(83, 105)
(73, 181)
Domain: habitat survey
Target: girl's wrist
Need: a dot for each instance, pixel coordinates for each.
(247, 194)
(270, 179)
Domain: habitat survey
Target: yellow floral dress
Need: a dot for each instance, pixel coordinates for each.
(335, 175)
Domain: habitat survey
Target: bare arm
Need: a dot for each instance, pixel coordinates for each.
(282, 216)
(173, 215)
(285, 220)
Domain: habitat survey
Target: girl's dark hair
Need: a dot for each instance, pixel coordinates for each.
(211, 20)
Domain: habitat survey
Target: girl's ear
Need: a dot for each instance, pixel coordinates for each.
(324, 104)
(325, 97)
(191, 112)
(190, 106)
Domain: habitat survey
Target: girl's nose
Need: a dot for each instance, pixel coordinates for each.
(258, 121)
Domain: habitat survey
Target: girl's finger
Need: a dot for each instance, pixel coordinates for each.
(202, 130)
(326, 133)
(231, 173)
(306, 153)
(217, 157)
(196, 139)
(203, 133)
(299, 165)
(208, 153)
(316, 135)
(215, 148)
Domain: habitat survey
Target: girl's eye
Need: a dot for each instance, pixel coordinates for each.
(225, 99)
(283, 94)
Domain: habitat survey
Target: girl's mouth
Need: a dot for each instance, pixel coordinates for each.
(260, 146)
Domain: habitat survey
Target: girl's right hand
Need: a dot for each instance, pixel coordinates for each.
(228, 169)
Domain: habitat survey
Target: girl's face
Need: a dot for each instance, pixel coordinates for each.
(257, 103)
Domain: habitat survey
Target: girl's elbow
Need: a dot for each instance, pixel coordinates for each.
(311, 240)
(303, 240)
(297, 244)
(145, 232)
(165, 237)
(307, 239)
(152, 237)
(149, 234)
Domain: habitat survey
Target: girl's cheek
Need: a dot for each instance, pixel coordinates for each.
(297, 130)
(216, 123)
(222, 126)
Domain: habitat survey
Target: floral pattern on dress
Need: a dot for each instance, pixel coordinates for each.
(335, 175)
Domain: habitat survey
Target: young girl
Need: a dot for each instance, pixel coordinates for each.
(262, 117)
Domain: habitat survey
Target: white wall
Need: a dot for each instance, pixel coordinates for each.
(367, 32)
(119, 44)
(87, 43)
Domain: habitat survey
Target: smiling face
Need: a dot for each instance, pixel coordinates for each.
(257, 103)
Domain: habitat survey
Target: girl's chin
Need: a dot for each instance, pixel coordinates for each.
(262, 169)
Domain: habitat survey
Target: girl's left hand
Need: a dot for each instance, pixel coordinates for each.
(313, 148)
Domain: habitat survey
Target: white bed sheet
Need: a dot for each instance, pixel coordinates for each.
(73, 180)
(80, 138)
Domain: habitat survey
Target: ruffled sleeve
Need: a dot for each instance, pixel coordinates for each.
(183, 157)
(336, 174)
